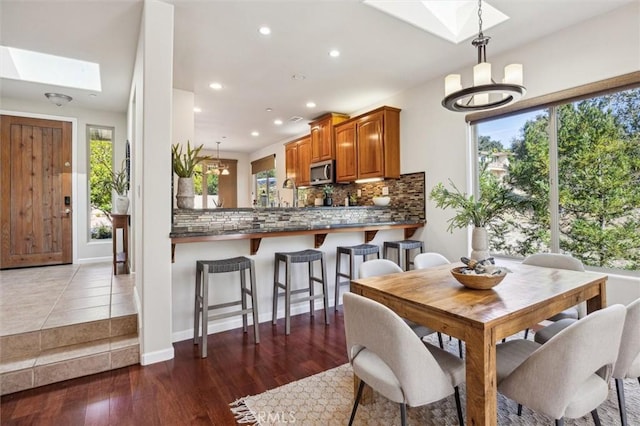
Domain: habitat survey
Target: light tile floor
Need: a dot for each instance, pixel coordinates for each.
(34, 299)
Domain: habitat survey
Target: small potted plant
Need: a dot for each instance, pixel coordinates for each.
(328, 195)
(184, 165)
(118, 182)
(496, 200)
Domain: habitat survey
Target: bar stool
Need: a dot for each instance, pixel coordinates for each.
(352, 251)
(404, 248)
(303, 256)
(202, 307)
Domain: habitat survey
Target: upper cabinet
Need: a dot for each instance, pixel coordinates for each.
(322, 142)
(368, 146)
(298, 160)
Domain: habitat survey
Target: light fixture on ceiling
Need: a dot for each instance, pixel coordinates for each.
(485, 93)
(58, 98)
(217, 167)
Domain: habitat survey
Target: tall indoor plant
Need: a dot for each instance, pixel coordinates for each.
(479, 212)
(184, 165)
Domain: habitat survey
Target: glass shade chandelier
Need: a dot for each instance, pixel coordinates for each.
(485, 92)
(217, 167)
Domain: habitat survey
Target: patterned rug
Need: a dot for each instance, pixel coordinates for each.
(326, 399)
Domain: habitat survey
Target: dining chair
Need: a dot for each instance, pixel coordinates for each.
(558, 261)
(628, 363)
(376, 267)
(385, 354)
(428, 260)
(569, 375)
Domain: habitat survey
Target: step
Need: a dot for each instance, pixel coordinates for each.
(68, 362)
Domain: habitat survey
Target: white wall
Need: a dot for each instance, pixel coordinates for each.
(84, 250)
(435, 140)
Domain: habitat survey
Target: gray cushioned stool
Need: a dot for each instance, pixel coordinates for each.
(202, 307)
(352, 251)
(404, 248)
(304, 256)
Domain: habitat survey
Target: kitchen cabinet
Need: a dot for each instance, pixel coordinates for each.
(322, 140)
(368, 146)
(298, 160)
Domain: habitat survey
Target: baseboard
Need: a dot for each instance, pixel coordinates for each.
(157, 356)
(87, 260)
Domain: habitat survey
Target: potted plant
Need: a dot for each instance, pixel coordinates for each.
(184, 165)
(328, 194)
(118, 182)
(496, 200)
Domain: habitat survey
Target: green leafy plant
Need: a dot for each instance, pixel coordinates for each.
(118, 180)
(184, 164)
(495, 201)
(328, 190)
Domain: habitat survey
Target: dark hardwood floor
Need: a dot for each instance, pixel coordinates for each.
(187, 390)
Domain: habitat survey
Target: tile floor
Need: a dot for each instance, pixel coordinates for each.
(35, 299)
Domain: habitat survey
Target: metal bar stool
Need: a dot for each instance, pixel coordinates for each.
(352, 251)
(404, 248)
(304, 256)
(202, 307)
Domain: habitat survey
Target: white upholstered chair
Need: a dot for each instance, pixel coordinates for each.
(385, 354)
(569, 375)
(376, 267)
(428, 260)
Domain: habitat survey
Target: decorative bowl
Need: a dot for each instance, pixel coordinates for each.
(381, 201)
(476, 281)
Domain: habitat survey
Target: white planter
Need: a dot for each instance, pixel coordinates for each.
(479, 244)
(121, 205)
(186, 194)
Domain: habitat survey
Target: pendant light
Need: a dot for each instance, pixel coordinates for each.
(217, 167)
(485, 93)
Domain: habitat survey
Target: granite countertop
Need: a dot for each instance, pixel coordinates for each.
(182, 233)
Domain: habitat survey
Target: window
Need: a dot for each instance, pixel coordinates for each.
(578, 166)
(265, 188)
(206, 188)
(100, 163)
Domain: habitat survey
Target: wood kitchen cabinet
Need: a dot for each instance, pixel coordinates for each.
(368, 146)
(298, 160)
(322, 140)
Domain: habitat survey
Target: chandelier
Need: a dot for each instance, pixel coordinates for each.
(485, 93)
(217, 167)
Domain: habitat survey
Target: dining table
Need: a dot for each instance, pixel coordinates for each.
(527, 296)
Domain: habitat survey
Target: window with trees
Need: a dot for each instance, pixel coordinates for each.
(265, 189)
(100, 151)
(577, 166)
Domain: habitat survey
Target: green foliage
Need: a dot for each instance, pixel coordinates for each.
(328, 190)
(102, 232)
(118, 181)
(486, 144)
(100, 157)
(184, 163)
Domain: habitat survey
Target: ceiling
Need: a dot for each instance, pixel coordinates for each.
(218, 41)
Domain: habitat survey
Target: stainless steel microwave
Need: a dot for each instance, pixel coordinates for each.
(322, 173)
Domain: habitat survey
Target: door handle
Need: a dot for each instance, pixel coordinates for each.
(66, 211)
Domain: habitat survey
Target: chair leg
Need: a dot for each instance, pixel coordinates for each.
(440, 340)
(596, 418)
(621, 401)
(325, 288)
(519, 410)
(356, 402)
(460, 348)
(403, 414)
(560, 422)
(458, 406)
(526, 334)
(337, 289)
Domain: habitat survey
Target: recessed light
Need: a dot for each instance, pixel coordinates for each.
(254, 133)
(264, 30)
(298, 77)
(277, 122)
(268, 109)
(215, 86)
(334, 53)
(93, 95)
(311, 104)
(196, 109)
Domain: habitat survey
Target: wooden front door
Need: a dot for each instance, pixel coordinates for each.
(35, 206)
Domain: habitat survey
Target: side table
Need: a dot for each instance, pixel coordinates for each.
(120, 221)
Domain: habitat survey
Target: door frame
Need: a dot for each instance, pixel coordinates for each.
(74, 170)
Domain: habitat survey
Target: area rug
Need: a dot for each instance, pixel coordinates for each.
(326, 399)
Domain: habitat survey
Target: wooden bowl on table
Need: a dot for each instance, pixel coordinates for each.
(475, 281)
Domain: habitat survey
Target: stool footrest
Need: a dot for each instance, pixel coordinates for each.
(224, 305)
(229, 314)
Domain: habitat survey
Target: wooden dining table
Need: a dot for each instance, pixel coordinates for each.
(481, 318)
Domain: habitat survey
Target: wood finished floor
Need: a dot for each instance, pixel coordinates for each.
(187, 390)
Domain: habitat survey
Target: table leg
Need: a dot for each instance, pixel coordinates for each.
(481, 378)
(599, 301)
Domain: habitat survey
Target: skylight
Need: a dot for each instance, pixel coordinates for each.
(453, 20)
(26, 65)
